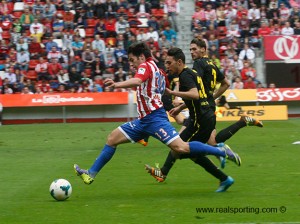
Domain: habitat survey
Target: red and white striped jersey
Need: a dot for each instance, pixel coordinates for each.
(149, 93)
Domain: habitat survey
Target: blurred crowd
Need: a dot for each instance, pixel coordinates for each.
(72, 46)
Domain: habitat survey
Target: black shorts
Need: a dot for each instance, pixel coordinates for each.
(200, 131)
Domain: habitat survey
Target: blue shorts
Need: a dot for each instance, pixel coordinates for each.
(155, 124)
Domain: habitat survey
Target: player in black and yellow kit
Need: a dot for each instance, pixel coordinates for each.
(202, 117)
(210, 75)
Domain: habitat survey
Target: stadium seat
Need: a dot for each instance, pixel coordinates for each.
(89, 32)
(6, 34)
(91, 23)
(17, 14)
(30, 74)
(19, 6)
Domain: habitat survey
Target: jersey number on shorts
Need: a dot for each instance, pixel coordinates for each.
(162, 133)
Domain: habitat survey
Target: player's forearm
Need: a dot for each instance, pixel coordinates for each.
(130, 83)
(189, 95)
(224, 86)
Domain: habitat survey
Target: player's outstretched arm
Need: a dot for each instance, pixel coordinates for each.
(130, 83)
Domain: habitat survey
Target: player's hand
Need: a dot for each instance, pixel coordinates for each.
(174, 112)
(109, 83)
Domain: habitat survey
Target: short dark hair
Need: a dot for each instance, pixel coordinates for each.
(177, 54)
(199, 42)
(140, 48)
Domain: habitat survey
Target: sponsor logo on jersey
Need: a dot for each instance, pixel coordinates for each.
(141, 71)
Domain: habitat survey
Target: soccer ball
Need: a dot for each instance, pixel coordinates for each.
(60, 189)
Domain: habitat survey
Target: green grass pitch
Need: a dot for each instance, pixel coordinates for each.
(266, 189)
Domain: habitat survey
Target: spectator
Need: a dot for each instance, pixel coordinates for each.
(65, 59)
(275, 30)
(48, 13)
(230, 15)
(273, 13)
(22, 60)
(44, 86)
(89, 9)
(110, 59)
(36, 27)
(163, 42)
(238, 63)
(78, 64)
(221, 15)
(75, 77)
(42, 69)
(53, 69)
(80, 20)
(110, 9)
(51, 43)
(247, 71)
(5, 8)
(287, 30)
(17, 25)
(164, 22)
(169, 33)
(62, 89)
(68, 20)
(35, 49)
(210, 16)
(120, 75)
(67, 40)
(99, 44)
(100, 29)
(142, 36)
(297, 28)
(50, 7)
(37, 6)
(26, 19)
(110, 26)
(63, 77)
(231, 73)
(249, 83)
(77, 46)
(88, 57)
(58, 27)
(22, 46)
(120, 52)
(232, 32)
(10, 76)
(284, 13)
(99, 8)
(142, 9)
(26, 90)
(153, 33)
(59, 4)
(237, 84)
(121, 25)
(54, 54)
(152, 22)
(253, 12)
(247, 54)
(98, 67)
(172, 8)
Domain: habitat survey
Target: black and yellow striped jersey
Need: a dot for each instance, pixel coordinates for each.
(210, 74)
(189, 79)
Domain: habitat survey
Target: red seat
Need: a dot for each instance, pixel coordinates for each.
(89, 32)
(17, 14)
(6, 34)
(31, 74)
(91, 23)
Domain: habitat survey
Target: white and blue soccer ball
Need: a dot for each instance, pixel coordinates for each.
(60, 189)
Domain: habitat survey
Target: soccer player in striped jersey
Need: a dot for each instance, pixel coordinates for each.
(152, 121)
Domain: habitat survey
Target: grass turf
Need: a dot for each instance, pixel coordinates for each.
(266, 186)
